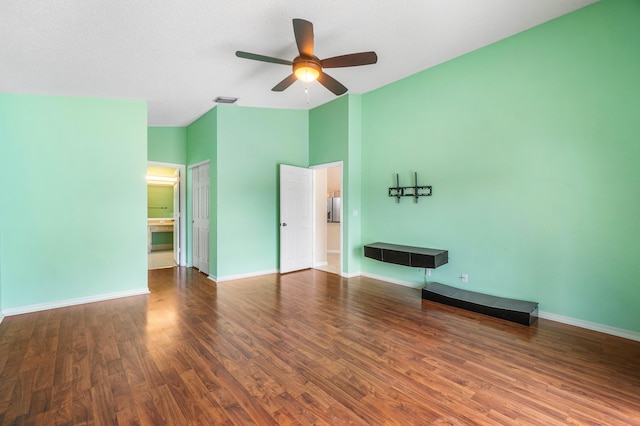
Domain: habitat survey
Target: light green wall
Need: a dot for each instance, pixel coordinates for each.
(353, 201)
(167, 144)
(252, 143)
(59, 240)
(2, 155)
(159, 201)
(531, 145)
(335, 135)
(202, 139)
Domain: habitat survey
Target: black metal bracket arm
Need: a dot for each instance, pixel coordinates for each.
(414, 191)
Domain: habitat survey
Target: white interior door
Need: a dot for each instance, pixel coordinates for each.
(201, 217)
(296, 219)
(176, 218)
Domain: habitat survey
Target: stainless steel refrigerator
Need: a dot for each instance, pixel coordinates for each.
(333, 209)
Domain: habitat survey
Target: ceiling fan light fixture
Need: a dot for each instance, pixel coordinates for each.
(306, 71)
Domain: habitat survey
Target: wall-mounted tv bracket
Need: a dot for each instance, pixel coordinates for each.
(414, 191)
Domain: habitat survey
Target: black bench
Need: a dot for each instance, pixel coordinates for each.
(518, 311)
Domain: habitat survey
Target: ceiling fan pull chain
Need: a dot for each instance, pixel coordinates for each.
(306, 90)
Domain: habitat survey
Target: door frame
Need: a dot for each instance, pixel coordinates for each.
(314, 237)
(183, 205)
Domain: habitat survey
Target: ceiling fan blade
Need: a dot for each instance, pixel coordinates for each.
(262, 58)
(332, 84)
(351, 60)
(284, 83)
(303, 30)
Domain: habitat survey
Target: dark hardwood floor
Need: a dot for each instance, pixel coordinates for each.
(305, 348)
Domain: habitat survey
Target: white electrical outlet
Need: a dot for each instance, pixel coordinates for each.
(427, 272)
(464, 278)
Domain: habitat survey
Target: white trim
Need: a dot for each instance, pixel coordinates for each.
(619, 332)
(314, 218)
(351, 275)
(325, 263)
(241, 276)
(392, 280)
(201, 163)
(71, 302)
(1, 316)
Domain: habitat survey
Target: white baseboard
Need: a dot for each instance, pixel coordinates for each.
(333, 251)
(619, 332)
(351, 275)
(241, 276)
(325, 263)
(392, 280)
(71, 302)
(1, 316)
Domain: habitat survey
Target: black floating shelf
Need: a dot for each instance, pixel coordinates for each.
(417, 257)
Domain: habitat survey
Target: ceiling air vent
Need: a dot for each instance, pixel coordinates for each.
(225, 100)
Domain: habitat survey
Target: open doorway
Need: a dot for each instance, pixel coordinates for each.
(165, 204)
(328, 217)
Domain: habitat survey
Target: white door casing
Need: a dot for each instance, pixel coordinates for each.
(296, 218)
(176, 218)
(200, 209)
(323, 218)
(181, 224)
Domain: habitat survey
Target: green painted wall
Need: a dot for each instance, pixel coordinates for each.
(531, 145)
(69, 226)
(335, 135)
(167, 144)
(252, 143)
(159, 201)
(202, 140)
(329, 132)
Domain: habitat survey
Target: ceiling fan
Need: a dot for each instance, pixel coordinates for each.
(307, 67)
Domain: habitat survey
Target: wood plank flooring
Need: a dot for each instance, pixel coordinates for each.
(305, 348)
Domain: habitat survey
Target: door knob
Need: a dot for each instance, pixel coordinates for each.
(284, 224)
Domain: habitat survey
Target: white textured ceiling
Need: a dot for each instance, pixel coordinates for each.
(179, 55)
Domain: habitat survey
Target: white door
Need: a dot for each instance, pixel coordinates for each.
(296, 220)
(176, 218)
(201, 218)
